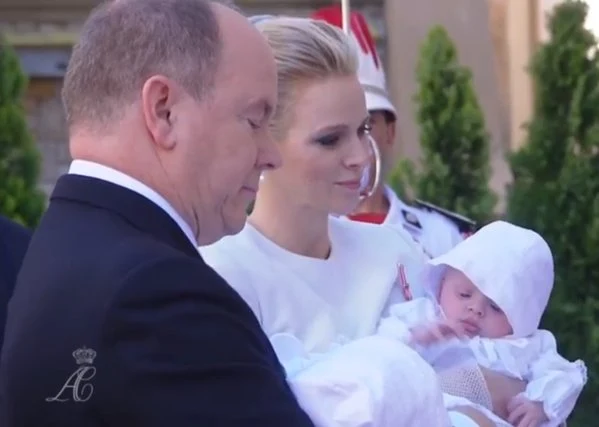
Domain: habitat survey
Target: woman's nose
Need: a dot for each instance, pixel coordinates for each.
(362, 152)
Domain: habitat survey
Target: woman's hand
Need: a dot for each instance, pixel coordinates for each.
(502, 389)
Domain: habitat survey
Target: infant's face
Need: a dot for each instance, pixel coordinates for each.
(462, 301)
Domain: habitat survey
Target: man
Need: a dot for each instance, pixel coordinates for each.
(437, 230)
(14, 239)
(116, 320)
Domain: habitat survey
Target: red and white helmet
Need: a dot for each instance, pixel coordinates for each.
(370, 70)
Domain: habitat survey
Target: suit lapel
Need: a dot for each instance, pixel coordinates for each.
(136, 209)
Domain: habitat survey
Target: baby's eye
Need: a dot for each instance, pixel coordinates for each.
(496, 308)
(253, 124)
(464, 294)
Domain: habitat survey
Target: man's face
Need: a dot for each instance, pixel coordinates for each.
(224, 142)
(383, 132)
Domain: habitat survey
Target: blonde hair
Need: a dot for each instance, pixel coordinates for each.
(305, 50)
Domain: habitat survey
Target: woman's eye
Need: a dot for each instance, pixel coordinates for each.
(253, 124)
(328, 141)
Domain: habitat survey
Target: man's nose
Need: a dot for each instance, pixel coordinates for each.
(269, 156)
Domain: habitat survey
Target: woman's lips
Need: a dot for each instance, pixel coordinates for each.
(350, 185)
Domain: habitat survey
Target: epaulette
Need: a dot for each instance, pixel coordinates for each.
(465, 225)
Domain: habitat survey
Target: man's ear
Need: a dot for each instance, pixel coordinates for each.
(391, 129)
(157, 99)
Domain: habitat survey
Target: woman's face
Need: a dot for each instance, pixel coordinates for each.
(326, 146)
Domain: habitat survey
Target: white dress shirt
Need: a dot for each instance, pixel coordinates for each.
(105, 173)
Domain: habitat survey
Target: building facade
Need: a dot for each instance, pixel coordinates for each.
(495, 38)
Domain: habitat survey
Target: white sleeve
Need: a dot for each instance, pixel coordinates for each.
(555, 381)
(236, 276)
(403, 317)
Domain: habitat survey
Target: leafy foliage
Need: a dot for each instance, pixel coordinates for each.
(20, 198)
(556, 187)
(455, 166)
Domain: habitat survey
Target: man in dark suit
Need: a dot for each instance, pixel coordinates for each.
(14, 239)
(116, 320)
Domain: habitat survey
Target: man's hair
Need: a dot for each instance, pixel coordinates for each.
(124, 42)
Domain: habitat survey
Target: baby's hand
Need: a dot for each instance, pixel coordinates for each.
(436, 332)
(525, 413)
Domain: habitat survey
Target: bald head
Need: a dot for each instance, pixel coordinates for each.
(124, 42)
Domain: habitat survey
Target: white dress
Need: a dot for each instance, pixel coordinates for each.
(321, 301)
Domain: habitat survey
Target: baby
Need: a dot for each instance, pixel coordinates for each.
(490, 292)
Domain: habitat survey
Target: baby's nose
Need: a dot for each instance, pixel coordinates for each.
(475, 309)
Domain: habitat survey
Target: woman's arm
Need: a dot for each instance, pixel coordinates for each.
(475, 415)
(502, 390)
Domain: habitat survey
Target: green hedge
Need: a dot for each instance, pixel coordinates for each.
(556, 187)
(455, 168)
(20, 160)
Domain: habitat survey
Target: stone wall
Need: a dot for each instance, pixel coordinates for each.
(47, 122)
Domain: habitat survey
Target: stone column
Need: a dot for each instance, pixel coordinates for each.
(521, 28)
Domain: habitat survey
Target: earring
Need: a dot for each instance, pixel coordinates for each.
(368, 191)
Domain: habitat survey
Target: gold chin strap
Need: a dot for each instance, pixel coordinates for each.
(371, 187)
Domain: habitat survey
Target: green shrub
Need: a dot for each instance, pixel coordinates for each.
(455, 168)
(556, 187)
(20, 198)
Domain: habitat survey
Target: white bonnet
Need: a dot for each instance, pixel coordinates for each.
(511, 265)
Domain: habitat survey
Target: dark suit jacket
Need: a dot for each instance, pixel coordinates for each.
(117, 321)
(14, 239)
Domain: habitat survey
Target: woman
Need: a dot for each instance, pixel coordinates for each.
(301, 270)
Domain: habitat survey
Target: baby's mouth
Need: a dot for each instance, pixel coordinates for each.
(470, 327)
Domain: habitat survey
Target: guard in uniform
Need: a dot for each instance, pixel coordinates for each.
(436, 229)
